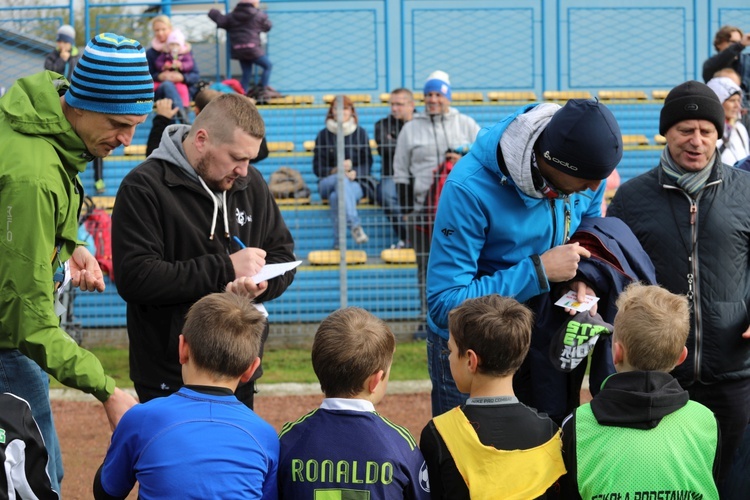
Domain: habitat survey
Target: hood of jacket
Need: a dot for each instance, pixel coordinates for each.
(516, 135)
(32, 107)
(170, 149)
(638, 399)
(244, 11)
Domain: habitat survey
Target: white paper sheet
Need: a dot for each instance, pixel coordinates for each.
(272, 270)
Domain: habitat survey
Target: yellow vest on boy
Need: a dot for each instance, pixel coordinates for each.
(490, 473)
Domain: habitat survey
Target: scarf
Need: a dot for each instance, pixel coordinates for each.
(690, 182)
(349, 126)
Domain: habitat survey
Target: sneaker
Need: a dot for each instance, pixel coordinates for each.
(400, 245)
(359, 235)
(270, 92)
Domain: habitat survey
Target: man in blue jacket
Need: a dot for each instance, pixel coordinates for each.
(505, 216)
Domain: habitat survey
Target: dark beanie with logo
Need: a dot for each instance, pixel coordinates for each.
(691, 100)
(582, 139)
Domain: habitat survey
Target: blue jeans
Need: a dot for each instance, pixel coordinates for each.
(387, 197)
(445, 395)
(352, 194)
(247, 71)
(167, 89)
(23, 377)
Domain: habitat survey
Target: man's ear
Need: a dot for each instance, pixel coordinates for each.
(201, 139)
(250, 370)
(375, 379)
(683, 356)
(183, 349)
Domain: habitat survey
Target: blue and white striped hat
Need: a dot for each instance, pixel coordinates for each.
(112, 77)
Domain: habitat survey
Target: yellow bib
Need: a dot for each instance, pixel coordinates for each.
(491, 473)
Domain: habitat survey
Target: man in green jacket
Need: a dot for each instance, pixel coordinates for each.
(50, 130)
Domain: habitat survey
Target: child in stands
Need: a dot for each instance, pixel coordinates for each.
(200, 442)
(177, 56)
(640, 436)
(345, 449)
(492, 446)
(244, 26)
(64, 58)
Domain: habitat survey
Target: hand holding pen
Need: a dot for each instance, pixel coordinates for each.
(248, 261)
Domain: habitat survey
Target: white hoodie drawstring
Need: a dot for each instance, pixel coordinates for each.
(216, 210)
(226, 216)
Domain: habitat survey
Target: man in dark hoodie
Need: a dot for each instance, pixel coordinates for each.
(641, 433)
(164, 244)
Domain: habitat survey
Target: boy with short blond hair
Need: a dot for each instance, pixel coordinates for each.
(641, 433)
(345, 449)
(492, 446)
(200, 442)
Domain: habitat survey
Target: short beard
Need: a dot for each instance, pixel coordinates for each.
(202, 169)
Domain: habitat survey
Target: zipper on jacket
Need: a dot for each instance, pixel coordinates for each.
(566, 221)
(693, 276)
(697, 312)
(554, 221)
(693, 287)
(693, 294)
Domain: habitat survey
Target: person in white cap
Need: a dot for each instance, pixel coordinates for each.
(734, 144)
(427, 141)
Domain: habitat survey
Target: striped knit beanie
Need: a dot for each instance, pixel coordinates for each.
(112, 77)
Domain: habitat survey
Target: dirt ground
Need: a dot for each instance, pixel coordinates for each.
(84, 431)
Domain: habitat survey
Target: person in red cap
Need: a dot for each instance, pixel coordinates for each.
(691, 213)
(502, 226)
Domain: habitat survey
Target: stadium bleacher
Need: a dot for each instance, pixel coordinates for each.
(387, 289)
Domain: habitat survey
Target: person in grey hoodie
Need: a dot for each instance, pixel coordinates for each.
(424, 143)
(167, 248)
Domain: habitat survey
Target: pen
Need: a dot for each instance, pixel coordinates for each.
(239, 242)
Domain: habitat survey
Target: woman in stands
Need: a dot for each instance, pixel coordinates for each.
(357, 163)
(166, 80)
(734, 145)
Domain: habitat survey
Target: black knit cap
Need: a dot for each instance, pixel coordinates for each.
(582, 140)
(691, 100)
